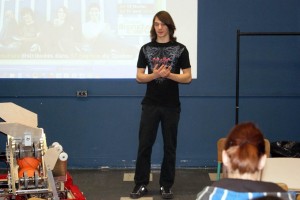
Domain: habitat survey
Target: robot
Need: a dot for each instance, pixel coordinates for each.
(35, 171)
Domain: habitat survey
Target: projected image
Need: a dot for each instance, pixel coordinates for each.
(73, 38)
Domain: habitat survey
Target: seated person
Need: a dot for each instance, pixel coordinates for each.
(98, 37)
(96, 32)
(22, 37)
(243, 158)
(64, 33)
(29, 31)
(9, 29)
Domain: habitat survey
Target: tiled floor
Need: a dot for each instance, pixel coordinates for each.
(116, 184)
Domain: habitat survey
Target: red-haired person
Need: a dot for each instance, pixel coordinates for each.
(243, 157)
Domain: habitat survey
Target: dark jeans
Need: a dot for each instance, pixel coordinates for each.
(150, 119)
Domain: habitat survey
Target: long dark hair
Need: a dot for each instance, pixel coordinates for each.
(165, 18)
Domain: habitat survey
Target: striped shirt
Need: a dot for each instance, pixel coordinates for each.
(216, 193)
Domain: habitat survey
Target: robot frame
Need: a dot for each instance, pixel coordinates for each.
(34, 170)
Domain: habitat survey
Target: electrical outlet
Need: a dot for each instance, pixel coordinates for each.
(82, 93)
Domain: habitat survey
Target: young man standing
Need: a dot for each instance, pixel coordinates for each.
(165, 58)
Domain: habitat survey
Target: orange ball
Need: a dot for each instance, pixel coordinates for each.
(30, 172)
(28, 162)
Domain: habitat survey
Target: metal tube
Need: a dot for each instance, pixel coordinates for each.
(238, 35)
(237, 84)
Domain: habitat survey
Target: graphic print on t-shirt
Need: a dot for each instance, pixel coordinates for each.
(163, 55)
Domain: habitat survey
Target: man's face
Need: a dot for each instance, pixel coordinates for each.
(161, 29)
(94, 14)
(27, 18)
(61, 14)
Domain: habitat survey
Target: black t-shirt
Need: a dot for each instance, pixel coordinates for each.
(163, 91)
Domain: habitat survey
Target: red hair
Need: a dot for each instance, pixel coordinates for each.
(245, 146)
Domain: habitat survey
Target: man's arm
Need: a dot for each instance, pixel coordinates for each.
(142, 77)
(165, 72)
(185, 77)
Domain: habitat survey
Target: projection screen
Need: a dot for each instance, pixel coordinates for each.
(82, 39)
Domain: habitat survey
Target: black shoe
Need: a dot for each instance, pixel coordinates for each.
(166, 193)
(138, 191)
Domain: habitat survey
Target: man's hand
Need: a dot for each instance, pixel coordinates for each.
(164, 71)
